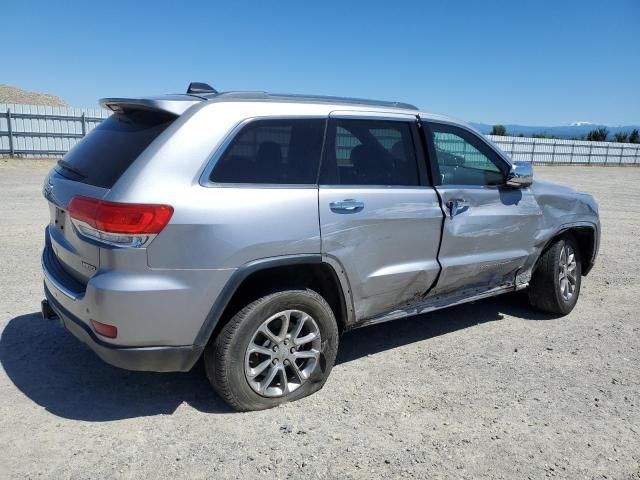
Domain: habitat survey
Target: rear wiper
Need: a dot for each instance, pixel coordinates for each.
(73, 170)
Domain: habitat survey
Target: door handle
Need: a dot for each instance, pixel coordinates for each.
(349, 205)
(456, 206)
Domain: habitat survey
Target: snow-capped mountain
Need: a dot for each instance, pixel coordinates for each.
(575, 130)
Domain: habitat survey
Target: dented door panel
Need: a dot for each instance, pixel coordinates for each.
(487, 241)
(388, 248)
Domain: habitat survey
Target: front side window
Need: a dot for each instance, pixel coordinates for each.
(369, 152)
(464, 159)
(273, 152)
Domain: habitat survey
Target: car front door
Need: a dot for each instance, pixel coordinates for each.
(379, 217)
(489, 229)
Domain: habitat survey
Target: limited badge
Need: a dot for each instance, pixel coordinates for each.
(88, 266)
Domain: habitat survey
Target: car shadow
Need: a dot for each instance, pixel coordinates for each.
(60, 373)
(64, 376)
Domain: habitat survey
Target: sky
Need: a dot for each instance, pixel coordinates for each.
(528, 62)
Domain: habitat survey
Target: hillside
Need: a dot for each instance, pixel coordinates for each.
(9, 94)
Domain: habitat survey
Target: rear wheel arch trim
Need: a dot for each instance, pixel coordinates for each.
(345, 287)
(242, 273)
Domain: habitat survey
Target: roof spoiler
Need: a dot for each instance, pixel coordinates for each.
(173, 104)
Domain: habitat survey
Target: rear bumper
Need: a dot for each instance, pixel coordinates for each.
(149, 358)
(152, 309)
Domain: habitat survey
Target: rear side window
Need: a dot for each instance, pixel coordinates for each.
(108, 150)
(273, 152)
(369, 152)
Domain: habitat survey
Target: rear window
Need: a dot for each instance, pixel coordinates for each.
(109, 149)
(273, 152)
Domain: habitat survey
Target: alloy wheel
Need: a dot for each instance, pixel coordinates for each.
(567, 272)
(282, 353)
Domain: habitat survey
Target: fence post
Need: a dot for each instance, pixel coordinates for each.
(533, 149)
(573, 147)
(606, 153)
(513, 145)
(84, 125)
(553, 153)
(10, 130)
(590, 149)
(621, 152)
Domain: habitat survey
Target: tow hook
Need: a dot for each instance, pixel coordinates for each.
(47, 312)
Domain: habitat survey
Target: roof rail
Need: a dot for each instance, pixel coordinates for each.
(289, 97)
(345, 100)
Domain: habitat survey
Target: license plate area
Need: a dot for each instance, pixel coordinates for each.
(59, 219)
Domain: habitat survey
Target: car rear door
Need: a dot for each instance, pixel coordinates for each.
(489, 229)
(379, 217)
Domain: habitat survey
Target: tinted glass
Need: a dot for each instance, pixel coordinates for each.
(110, 148)
(273, 152)
(464, 159)
(370, 152)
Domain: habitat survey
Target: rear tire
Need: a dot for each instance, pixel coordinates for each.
(277, 349)
(555, 284)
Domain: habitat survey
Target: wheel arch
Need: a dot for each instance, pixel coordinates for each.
(587, 236)
(259, 277)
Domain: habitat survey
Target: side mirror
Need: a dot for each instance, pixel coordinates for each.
(520, 175)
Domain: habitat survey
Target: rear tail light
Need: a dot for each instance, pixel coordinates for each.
(105, 329)
(120, 224)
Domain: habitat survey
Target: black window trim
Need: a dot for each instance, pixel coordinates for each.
(504, 166)
(218, 153)
(424, 154)
(421, 155)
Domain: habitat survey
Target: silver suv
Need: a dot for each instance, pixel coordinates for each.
(252, 229)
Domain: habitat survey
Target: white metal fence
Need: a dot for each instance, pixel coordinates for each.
(568, 152)
(42, 131)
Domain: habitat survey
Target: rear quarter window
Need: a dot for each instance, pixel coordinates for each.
(108, 150)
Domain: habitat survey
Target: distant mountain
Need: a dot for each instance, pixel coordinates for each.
(575, 130)
(579, 124)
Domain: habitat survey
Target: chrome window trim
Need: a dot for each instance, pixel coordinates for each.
(336, 114)
(369, 187)
(372, 115)
(231, 135)
(381, 117)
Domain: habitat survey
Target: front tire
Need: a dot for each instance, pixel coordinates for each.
(555, 285)
(277, 349)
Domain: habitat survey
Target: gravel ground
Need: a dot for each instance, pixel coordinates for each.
(487, 390)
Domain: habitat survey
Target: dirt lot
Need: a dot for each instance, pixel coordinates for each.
(486, 390)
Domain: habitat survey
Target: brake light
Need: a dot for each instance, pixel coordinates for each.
(128, 224)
